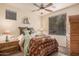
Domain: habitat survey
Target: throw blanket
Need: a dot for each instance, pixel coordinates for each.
(26, 42)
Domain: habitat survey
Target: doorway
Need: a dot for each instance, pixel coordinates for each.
(74, 34)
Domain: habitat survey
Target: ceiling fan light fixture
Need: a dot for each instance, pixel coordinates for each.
(42, 7)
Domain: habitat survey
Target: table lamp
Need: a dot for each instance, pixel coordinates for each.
(7, 33)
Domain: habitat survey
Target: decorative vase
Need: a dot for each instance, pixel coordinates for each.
(6, 38)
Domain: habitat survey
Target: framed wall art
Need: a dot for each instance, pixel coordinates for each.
(10, 15)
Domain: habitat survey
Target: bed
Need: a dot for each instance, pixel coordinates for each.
(42, 46)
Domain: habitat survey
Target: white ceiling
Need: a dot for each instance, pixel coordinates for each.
(29, 7)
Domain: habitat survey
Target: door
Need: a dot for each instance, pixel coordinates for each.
(74, 34)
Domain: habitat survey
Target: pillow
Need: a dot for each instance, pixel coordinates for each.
(21, 39)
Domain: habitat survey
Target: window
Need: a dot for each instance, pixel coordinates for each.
(57, 25)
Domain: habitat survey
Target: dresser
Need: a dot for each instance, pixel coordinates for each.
(8, 48)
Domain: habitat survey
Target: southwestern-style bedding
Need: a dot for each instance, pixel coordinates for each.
(42, 46)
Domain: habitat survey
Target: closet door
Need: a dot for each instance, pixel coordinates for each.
(74, 34)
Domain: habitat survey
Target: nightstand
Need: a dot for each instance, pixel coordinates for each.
(7, 48)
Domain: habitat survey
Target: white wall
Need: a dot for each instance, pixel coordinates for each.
(33, 18)
(73, 10)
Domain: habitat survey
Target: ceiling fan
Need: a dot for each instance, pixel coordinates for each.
(42, 6)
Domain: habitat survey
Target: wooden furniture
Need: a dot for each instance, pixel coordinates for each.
(21, 29)
(9, 47)
(74, 35)
(42, 46)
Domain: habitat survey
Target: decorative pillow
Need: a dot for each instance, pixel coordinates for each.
(21, 39)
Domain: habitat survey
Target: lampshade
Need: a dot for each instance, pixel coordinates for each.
(7, 32)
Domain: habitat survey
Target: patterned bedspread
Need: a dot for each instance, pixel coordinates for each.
(42, 46)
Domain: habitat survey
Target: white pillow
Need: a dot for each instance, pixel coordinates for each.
(21, 39)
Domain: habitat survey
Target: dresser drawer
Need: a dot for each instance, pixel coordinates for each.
(9, 47)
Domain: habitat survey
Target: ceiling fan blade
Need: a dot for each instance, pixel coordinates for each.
(49, 5)
(41, 5)
(35, 10)
(36, 5)
(48, 10)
